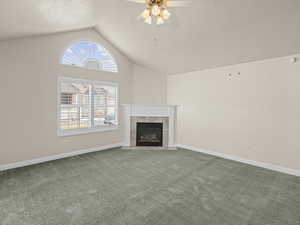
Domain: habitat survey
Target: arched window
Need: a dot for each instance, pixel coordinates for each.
(89, 55)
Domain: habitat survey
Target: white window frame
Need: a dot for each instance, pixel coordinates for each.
(61, 132)
(106, 50)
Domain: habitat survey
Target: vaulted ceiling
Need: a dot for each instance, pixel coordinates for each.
(206, 34)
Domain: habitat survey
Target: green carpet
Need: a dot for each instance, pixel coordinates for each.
(132, 187)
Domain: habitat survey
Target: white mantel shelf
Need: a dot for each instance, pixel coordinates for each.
(151, 110)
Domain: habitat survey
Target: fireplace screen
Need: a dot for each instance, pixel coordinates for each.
(149, 134)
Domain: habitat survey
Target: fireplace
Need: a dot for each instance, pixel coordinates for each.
(163, 114)
(149, 134)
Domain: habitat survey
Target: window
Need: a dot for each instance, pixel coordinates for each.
(86, 106)
(89, 55)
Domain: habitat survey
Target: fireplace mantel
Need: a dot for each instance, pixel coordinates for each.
(150, 113)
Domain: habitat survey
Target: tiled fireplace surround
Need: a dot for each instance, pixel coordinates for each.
(135, 119)
(165, 114)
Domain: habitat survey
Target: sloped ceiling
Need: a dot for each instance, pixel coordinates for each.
(206, 34)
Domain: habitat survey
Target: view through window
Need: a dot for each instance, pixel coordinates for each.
(86, 106)
(89, 55)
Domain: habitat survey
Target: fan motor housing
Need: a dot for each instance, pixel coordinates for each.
(156, 2)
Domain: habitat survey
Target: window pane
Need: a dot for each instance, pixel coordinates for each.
(75, 106)
(111, 116)
(69, 118)
(104, 105)
(105, 95)
(85, 119)
(89, 55)
(66, 98)
(105, 116)
(87, 105)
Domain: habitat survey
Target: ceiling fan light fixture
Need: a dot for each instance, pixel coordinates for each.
(159, 20)
(146, 13)
(155, 10)
(166, 3)
(148, 20)
(158, 9)
(166, 14)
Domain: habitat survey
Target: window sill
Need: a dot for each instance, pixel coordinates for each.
(61, 133)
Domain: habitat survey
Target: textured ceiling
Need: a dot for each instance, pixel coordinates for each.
(32, 17)
(206, 34)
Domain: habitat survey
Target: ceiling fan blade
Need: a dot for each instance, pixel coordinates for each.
(176, 3)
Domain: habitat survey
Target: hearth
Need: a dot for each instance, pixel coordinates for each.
(149, 134)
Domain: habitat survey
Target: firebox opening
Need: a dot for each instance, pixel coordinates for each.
(149, 134)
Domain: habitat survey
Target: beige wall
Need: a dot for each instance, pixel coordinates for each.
(149, 87)
(254, 115)
(29, 69)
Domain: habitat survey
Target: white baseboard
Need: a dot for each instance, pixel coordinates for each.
(95, 149)
(246, 161)
(55, 157)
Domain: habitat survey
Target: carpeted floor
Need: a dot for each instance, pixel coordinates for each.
(132, 187)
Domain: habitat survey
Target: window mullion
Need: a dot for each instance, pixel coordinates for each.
(92, 105)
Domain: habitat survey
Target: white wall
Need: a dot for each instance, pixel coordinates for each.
(149, 87)
(29, 69)
(254, 115)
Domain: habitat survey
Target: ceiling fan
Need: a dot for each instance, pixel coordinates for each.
(158, 9)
